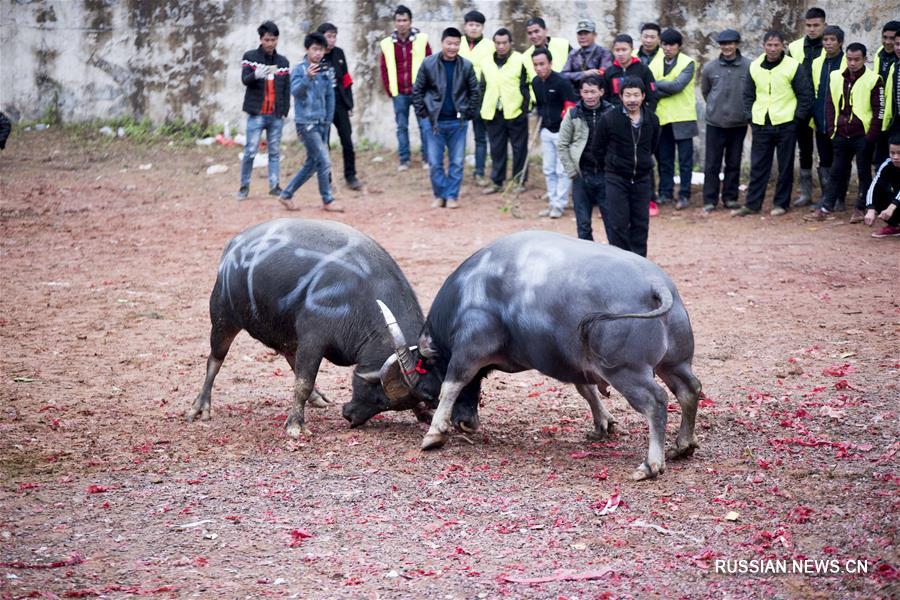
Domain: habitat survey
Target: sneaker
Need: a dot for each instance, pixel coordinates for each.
(732, 204)
(354, 184)
(426, 166)
(545, 212)
(333, 207)
(493, 189)
(243, 192)
(404, 166)
(778, 211)
(681, 204)
(654, 209)
(287, 203)
(452, 203)
(555, 213)
(276, 191)
(664, 200)
(437, 203)
(887, 231)
(743, 212)
(857, 216)
(482, 181)
(519, 189)
(840, 206)
(708, 208)
(820, 215)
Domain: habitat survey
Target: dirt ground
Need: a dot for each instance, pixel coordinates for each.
(105, 490)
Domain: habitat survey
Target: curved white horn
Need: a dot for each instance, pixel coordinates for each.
(407, 367)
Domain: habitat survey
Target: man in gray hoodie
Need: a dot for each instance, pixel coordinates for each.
(722, 86)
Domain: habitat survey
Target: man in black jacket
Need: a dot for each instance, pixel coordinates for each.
(625, 64)
(343, 102)
(267, 101)
(628, 137)
(446, 97)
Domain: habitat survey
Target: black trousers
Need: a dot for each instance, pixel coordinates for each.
(805, 143)
(515, 133)
(588, 190)
(882, 146)
(767, 140)
(825, 149)
(727, 142)
(626, 212)
(846, 150)
(345, 133)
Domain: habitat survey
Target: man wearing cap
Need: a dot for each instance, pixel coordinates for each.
(805, 50)
(677, 113)
(722, 86)
(402, 53)
(589, 58)
(477, 49)
(343, 102)
(831, 59)
(558, 47)
(777, 96)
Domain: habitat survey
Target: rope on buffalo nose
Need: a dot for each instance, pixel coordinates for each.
(417, 369)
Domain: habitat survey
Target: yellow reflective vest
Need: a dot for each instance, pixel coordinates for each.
(775, 95)
(795, 50)
(502, 87)
(390, 61)
(482, 51)
(860, 96)
(817, 66)
(655, 62)
(683, 105)
(559, 50)
(889, 99)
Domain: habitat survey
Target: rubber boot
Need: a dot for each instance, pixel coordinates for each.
(825, 184)
(805, 188)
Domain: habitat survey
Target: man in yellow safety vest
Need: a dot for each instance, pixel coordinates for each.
(677, 112)
(558, 47)
(853, 113)
(805, 50)
(476, 48)
(885, 58)
(402, 54)
(506, 101)
(777, 96)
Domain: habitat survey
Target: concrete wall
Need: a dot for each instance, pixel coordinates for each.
(179, 58)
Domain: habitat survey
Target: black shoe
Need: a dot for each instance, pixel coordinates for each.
(732, 204)
(276, 191)
(354, 184)
(665, 200)
(682, 204)
(243, 192)
(840, 206)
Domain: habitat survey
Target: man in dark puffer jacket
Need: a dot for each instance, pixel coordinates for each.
(629, 135)
(267, 100)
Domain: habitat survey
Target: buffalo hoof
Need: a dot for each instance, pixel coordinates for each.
(317, 399)
(203, 410)
(647, 471)
(434, 440)
(468, 427)
(601, 433)
(296, 431)
(682, 451)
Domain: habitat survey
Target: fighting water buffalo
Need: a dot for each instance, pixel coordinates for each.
(580, 312)
(308, 290)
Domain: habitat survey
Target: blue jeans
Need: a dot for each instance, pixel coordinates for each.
(255, 126)
(313, 136)
(402, 104)
(665, 157)
(588, 191)
(452, 135)
(479, 130)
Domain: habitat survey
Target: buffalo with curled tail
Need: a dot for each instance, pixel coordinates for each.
(308, 290)
(577, 311)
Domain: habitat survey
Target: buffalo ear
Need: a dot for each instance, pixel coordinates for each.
(426, 346)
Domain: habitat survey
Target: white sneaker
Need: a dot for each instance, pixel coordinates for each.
(555, 213)
(403, 167)
(545, 212)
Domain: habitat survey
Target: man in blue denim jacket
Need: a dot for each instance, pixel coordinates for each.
(313, 89)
